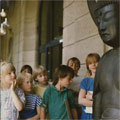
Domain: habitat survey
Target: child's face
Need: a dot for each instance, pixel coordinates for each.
(74, 65)
(92, 66)
(26, 71)
(27, 85)
(10, 77)
(42, 79)
(65, 82)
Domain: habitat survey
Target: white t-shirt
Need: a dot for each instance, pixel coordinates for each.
(8, 109)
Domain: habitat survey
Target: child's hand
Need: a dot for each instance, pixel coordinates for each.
(89, 96)
(12, 87)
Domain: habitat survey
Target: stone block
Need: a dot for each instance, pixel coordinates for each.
(68, 15)
(85, 27)
(67, 3)
(29, 56)
(69, 34)
(30, 42)
(81, 8)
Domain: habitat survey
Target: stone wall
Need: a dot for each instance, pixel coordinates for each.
(23, 19)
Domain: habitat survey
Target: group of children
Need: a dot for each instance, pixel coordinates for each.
(18, 97)
(29, 96)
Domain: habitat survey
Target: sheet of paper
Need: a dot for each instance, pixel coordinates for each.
(88, 110)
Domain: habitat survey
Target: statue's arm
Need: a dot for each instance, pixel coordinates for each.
(96, 100)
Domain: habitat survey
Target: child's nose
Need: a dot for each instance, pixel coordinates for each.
(44, 77)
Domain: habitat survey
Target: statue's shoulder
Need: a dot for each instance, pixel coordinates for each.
(111, 53)
(108, 53)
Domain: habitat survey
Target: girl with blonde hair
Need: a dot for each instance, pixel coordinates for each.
(87, 85)
(31, 110)
(12, 97)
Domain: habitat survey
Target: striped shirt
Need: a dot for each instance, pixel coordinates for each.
(32, 102)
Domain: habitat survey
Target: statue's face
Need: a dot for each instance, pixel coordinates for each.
(108, 25)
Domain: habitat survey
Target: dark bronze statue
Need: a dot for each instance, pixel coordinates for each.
(106, 96)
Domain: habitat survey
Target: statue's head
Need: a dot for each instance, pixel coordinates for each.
(105, 14)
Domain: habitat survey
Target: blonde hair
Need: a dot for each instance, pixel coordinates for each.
(6, 67)
(39, 70)
(22, 77)
(92, 57)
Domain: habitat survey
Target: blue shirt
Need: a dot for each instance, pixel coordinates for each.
(32, 101)
(88, 85)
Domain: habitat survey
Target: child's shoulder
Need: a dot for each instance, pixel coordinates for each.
(86, 79)
(35, 96)
(68, 90)
(18, 90)
(20, 93)
(49, 90)
(69, 93)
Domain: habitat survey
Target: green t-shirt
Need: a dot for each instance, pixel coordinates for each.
(54, 102)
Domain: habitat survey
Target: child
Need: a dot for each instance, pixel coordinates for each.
(74, 63)
(55, 96)
(12, 98)
(87, 85)
(33, 102)
(41, 77)
(26, 69)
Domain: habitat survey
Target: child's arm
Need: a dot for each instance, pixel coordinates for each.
(42, 113)
(74, 113)
(16, 100)
(72, 105)
(45, 102)
(82, 99)
(36, 117)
